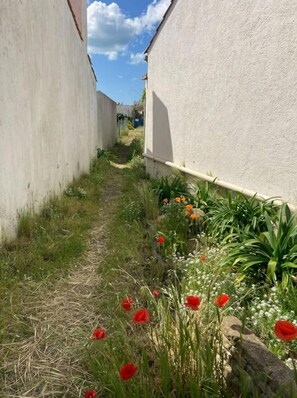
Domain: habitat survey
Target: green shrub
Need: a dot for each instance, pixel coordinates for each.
(170, 187)
(203, 196)
(135, 148)
(270, 256)
(238, 213)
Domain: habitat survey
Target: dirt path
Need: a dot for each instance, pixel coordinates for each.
(60, 320)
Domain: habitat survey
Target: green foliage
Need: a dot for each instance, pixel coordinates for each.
(143, 96)
(25, 225)
(270, 256)
(170, 187)
(48, 241)
(75, 192)
(148, 200)
(175, 225)
(135, 148)
(178, 227)
(204, 196)
(132, 211)
(238, 213)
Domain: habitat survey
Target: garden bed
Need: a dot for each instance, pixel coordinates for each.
(188, 281)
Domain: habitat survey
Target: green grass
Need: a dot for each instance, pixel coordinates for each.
(48, 243)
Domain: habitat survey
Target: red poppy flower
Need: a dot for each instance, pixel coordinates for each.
(99, 334)
(156, 293)
(193, 302)
(285, 330)
(127, 304)
(127, 371)
(160, 240)
(203, 258)
(141, 316)
(90, 394)
(221, 300)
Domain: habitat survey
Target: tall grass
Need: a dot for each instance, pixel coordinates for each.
(47, 244)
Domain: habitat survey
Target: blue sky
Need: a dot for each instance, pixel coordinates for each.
(118, 33)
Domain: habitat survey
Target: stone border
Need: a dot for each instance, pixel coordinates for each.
(252, 367)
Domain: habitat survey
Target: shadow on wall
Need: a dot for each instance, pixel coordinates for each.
(162, 145)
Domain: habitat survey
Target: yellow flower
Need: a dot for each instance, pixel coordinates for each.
(189, 207)
(177, 199)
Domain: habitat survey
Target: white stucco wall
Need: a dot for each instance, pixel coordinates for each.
(48, 105)
(107, 121)
(222, 92)
(127, 110)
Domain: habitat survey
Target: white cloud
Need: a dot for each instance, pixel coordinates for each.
(137, 58)
(154, 14)
(110, 31)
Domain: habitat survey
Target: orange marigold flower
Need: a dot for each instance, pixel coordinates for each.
(193, 216)
(189, 207)
(203, 258)
(165, 200)
(285, 330)
(187, 213)
(183, 199)
(177, 199)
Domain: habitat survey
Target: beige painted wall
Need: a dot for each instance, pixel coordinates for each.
(107, 121)
(48, 105)
(222, 92)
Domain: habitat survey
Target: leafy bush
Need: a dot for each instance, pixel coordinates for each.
(238, 213)
(170, 187)
(204, 196)
(180, 223)
(270, 256)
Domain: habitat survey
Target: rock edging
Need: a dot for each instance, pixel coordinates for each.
(250, 363)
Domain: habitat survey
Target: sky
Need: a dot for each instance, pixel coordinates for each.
(118, 33)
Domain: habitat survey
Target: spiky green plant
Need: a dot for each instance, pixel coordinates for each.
(270, 256)
(238, 212)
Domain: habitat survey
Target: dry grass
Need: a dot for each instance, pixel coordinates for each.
(59, 320)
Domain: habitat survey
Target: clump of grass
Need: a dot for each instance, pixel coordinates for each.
(25, 225)
(148, 200)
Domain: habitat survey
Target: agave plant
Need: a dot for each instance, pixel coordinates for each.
(270, 256)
